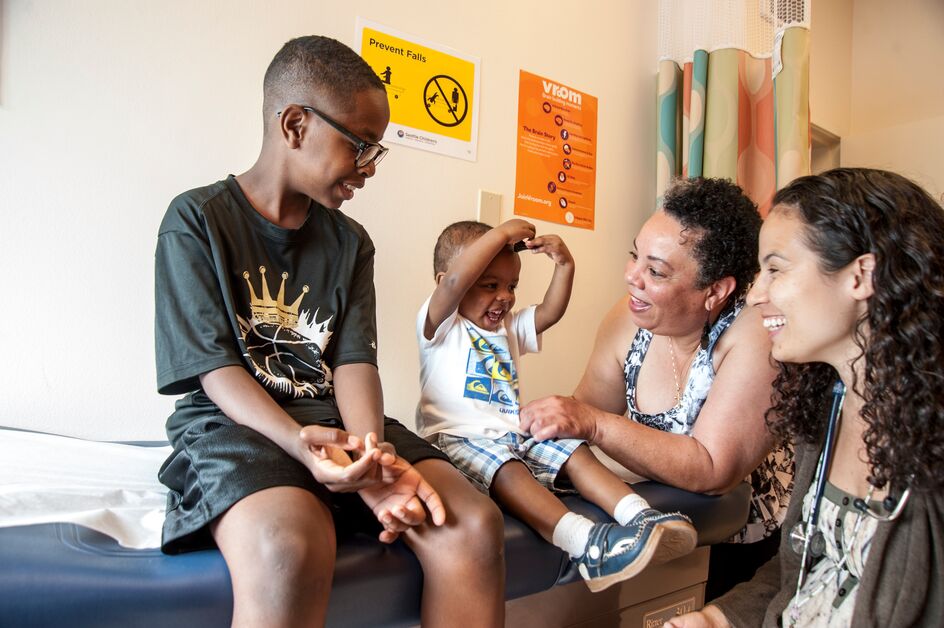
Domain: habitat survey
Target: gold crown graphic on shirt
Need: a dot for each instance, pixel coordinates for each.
(269, 310)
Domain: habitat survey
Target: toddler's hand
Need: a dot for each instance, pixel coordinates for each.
(552, 246)
(516, 229)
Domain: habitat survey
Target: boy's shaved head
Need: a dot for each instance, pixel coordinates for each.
(452, 239)
(316, 64)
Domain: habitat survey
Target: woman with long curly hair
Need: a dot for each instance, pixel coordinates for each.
(851, 291)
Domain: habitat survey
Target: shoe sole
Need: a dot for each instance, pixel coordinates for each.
(642, 561)
(678, 539)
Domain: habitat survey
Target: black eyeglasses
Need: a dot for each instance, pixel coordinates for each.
(367, 152)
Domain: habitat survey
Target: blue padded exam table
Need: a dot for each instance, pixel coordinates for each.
(61, 574)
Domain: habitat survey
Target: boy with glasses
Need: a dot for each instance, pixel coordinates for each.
(280, 440)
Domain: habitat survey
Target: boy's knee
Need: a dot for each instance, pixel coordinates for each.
(490, 520)
(480, 518)
(282, 572)
(296, 555)
(476, 531)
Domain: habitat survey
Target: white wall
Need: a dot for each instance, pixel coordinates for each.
(831, 65)
(912, 149)
(896, 48)
(109, 108)
(873, 82)
(897, 113)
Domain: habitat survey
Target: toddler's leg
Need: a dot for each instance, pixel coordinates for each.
(604, 553)
(515, 488)
(279, 545)
(463, 560)
(599, 485)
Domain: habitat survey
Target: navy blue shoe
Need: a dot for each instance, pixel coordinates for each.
(679, 535)
(615, 553)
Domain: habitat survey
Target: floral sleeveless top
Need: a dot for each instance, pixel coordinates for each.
(772, 481)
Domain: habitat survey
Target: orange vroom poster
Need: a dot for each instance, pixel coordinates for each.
(555, 178)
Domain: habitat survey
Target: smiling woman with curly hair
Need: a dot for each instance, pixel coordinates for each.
(680, 375)
(851, 291)
(901, 376)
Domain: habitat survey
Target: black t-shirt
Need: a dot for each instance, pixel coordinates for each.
(289, 305)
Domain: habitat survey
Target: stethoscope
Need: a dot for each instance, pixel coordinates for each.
(811, 543)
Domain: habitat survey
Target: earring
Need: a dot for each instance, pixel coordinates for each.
(706, 333)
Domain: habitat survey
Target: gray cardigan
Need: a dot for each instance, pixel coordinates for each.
(902, 584)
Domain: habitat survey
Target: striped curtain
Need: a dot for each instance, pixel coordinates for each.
(734, 93)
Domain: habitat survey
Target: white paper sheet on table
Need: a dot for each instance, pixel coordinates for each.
(109, 487)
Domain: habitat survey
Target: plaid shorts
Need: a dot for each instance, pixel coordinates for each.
(479, 459)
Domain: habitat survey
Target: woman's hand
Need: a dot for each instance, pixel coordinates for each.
(560, 417)
(708, 617)
(324, 452)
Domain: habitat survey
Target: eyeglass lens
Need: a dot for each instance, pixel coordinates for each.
(372, 153)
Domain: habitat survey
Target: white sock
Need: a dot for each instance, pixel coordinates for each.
(572, 533)
(629, 507)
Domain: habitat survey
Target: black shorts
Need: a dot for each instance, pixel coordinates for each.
(217, 462)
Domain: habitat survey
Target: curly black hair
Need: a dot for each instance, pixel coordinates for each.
(725, 224)
(850, 212)
(315, 63)
(452, 239)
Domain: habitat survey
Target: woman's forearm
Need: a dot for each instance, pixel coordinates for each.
(674, 459)
(645, 450)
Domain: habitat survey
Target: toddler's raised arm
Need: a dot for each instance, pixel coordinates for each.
(552, 309)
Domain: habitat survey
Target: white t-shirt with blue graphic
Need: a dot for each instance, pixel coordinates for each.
(469, 376)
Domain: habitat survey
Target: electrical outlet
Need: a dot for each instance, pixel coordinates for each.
(489, 208)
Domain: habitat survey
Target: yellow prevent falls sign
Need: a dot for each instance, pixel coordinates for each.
(432, 90)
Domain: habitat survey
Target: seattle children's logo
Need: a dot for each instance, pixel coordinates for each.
(285, 346)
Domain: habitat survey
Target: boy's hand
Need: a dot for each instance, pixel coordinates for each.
(325, 455)
(398, 502)
(552, 246)
(516, 230)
